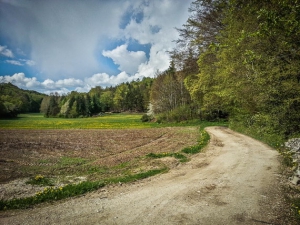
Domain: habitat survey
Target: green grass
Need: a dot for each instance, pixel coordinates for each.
(108, 121)
(70, 190)
(68, 161)
(203, 141)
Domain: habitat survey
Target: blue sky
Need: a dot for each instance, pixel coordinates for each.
(65, 45)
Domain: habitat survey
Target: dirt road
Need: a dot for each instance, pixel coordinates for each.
(234, 181)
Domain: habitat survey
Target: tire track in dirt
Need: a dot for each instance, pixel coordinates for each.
(234, 181)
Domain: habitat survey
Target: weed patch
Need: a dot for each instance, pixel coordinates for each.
(40, 180)
(204, 139)
(70, 190)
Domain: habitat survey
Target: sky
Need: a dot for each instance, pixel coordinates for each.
(65, 45)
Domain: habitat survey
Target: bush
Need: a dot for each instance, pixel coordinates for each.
(145, 118)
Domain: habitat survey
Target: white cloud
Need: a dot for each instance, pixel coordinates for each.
(70, 82)
(64, 86)
(103, 79)
(19, 62)
(63, 39)
(20, 80)
(129, 61)
(157, 28)
(63, 36)
(27, 62)
(14, 62)
(61, 91)
(159, 60)
(49, 84)
(6, 52)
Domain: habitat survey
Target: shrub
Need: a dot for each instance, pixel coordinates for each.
(145, 118)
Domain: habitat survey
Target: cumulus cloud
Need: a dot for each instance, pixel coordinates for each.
(64, 86)
(6, 52)
(157, 28)
(63, 39)
(159, 61)
(20, 80)
(103, 79)
(129, 61)
(63, 35)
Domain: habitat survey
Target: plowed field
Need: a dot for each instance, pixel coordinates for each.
(92, 154)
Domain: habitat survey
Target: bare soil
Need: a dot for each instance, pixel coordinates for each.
(234, 181)
(27, 153)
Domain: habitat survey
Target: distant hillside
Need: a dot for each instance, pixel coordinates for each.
(14, 100)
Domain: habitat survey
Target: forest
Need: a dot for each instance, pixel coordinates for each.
(14, 100)
(237, 60)
(234, 60)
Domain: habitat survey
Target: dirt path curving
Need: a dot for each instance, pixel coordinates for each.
(234, 181)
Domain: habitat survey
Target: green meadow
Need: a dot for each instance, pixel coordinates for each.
(108, 121)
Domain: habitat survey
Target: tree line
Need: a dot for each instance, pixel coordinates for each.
(130, 96)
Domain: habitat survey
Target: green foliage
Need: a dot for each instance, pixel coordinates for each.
(248, 64)
(51, 194)
(133, 97)
(14, 100)
(146, 118)
(179, 114)
(203, 141)
(287, 157)
(296, 207)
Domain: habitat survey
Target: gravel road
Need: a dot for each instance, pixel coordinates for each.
(234, 181)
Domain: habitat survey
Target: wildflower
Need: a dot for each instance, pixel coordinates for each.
(39, 177)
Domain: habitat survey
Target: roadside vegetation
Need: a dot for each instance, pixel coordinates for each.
(71, 190)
